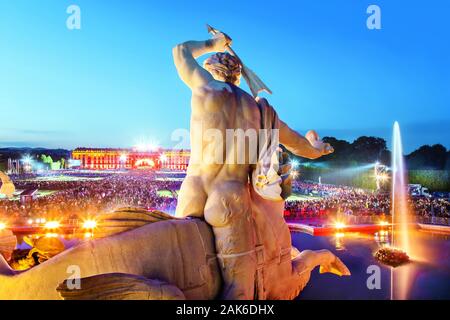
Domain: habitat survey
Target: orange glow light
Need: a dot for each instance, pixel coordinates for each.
(89, 224)
(340, 225)
(51, 235)
(52, 225)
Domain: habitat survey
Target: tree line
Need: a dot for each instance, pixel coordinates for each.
(364, 150)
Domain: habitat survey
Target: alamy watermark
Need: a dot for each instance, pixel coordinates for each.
(74, 278)
(374, 20)
(227, 146)
(374, 280)
(73, 21)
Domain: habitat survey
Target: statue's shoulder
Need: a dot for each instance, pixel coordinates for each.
(213, 88)
(217, 93)
(265, 106)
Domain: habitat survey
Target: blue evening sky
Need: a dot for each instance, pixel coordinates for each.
(113, 82)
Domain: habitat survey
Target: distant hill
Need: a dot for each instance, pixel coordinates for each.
(19, 153)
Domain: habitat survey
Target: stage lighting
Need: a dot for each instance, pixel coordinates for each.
(339, 225)
(27, 159)
(52, 225)
(89, 224)
(294, 164)
(123, 158)
(163, 158)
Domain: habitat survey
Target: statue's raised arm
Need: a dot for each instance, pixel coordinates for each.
(185, 54)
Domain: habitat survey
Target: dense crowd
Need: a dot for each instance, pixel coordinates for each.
(432, 207)
(91, 193)
(330, 199)
(81, 198)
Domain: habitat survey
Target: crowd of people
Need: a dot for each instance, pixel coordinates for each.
(323, 200)
(432, 207)
(88, 194)
(330, 199)
(74, 199)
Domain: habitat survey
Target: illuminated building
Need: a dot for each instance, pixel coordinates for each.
(17, 166)
(110, 159)
(13, 166)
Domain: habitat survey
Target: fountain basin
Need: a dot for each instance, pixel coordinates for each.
(427, 279)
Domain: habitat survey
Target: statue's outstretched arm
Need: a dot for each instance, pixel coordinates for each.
(309, 146)
(184, 56)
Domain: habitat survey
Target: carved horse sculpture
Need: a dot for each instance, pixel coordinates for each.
(150, 255)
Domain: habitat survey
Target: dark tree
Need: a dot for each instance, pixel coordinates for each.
(447, 164)
(341, 152)
(368, 149)
(428, 157)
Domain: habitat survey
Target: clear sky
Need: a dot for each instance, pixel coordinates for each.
(113, 82)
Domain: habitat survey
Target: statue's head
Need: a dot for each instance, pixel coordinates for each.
(224, 67)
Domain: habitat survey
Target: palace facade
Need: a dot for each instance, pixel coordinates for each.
(110, 159)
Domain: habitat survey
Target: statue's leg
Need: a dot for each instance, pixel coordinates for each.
(304, 263)
(191, 198)
(119, 286)
(228, 211)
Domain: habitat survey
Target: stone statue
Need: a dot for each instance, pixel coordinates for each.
(147, 255)
(42, 249)
(216, 187)
(229, 239)
(7, 187)
(8, 242)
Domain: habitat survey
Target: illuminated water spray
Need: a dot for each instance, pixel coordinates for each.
(400, 213)
(401, 220)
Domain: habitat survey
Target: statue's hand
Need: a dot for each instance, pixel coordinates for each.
(330, 263)
(321, 147)
(221, 42)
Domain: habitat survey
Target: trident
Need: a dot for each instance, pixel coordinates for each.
(254, 82)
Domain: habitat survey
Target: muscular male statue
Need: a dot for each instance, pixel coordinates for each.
(219, 191)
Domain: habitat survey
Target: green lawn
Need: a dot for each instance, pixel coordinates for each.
(165, 193)
(40, 193)
(64, 178)
(301, 197)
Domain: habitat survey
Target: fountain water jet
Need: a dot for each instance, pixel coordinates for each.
(400, 214)
(401, 219)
